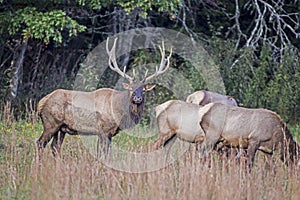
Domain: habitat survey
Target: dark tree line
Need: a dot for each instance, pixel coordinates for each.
(254, 42)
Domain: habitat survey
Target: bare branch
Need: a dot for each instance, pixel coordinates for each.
(236, 26)
(273, 25)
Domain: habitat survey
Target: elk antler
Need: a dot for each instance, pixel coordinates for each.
(162, 67)
(113, 63)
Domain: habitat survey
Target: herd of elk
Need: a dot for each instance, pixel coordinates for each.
(251, 129)
(180, 119)
(205, 118)
(101, 112)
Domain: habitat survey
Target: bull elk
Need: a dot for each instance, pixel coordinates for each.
(101, 112)
(250, 129)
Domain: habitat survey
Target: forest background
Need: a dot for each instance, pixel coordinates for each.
(255, 44)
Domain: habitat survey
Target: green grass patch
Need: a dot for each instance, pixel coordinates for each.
(296, 132)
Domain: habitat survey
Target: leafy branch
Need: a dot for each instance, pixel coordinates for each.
(42, 25)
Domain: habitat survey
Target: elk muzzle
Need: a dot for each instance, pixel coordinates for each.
(138, 95)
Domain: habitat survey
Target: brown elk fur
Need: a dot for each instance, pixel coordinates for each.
(251, 129)
(203, 97)
(101, 112)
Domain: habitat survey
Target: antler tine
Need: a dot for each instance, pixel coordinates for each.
(163, 53)
(162, 67)
(146, 73)
(124, 71)
(133, 72)
(112, 60)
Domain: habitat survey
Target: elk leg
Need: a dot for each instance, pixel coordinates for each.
(252, 148)
(103, 145)
(99, 146)
(269, 162)
(57, 141)
(239, 153)
(44, 139)
(168, 145)
(198, 141)
(169, 142)
(162, 140)
(107, 145)
(209, 142)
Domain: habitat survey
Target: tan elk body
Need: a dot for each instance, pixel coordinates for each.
(194, 115)
(180, 118)
(251, 129)
(203, 97)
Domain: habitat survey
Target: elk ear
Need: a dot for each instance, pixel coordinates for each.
(127, 86)
(149, 87)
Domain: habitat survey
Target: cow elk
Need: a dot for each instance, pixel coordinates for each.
(177, 118)
(101, 112)
(250, 129)
(203, 97)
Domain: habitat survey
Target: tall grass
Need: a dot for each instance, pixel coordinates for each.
(79, 175)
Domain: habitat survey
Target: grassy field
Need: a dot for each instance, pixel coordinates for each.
(79, 175)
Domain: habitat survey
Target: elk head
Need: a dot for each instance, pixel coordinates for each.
(137, 88)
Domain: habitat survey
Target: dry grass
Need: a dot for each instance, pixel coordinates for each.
(78, 175)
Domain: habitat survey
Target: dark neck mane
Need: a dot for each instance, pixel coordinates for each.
(132, 113)
(136, 112)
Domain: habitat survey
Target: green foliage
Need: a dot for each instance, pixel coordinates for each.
(147, 5)
(272, 85)
(27, 131)
(259, 81)
(255, 76)
(41, 25)
(283, 92)
(259, 78)
(95, 4)
(235, 76)
(295, 130)
(134, 138)
(130, 5)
